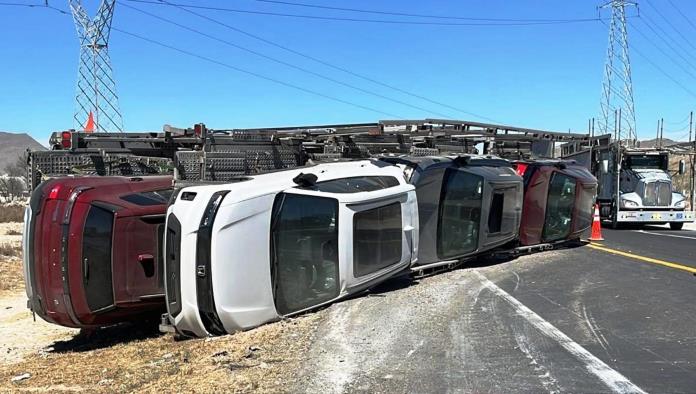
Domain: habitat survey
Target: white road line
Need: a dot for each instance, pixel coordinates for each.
(664, 235)
(612, 378)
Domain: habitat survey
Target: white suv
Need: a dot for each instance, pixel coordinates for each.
(245, 253)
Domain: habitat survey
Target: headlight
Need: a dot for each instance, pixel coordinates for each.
(629, 204)
(680, 204)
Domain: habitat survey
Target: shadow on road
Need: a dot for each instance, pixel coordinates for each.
(92, 339)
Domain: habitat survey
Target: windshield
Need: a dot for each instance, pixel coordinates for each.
(304, 249)
(658, 162)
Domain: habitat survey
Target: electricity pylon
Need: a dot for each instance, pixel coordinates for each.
(618, 113)
(96, 100)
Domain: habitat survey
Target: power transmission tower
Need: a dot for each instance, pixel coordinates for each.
(96, 100)
(617, 86)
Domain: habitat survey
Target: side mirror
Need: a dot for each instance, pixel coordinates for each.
(682, 167)
(605, 166)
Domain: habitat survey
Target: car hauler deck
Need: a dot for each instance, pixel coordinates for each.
(559, 199)
(245, 253)
(467, 205)
(634, 184)
(92, 249)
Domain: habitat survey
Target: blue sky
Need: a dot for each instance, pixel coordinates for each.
(540, 76)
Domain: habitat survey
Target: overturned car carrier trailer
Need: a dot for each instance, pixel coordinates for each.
(442, 176)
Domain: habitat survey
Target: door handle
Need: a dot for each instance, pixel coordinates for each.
(85, 269)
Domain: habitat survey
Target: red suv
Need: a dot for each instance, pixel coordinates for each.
(92, 249)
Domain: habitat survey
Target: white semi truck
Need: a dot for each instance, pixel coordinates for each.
(635, 184)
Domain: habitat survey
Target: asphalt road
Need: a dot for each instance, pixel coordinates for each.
(575, 320)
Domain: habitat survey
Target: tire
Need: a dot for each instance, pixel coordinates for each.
(614, 219)
(676, 226)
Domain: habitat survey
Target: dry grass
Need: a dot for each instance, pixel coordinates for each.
(11, 275)
(10, 249)
(122, 359)
(13, 232)
(11, 213)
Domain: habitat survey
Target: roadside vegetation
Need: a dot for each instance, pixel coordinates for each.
(11, 213)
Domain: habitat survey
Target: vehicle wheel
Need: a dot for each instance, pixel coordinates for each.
(676, 226)
(614, 219)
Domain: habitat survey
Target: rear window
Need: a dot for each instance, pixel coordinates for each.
(355, 184)
(96, 258)
(460, 213)
(156, 197)
(376, 239)
(559, 207)
(304, 251)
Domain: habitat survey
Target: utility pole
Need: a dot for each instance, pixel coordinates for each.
(96, 99)
(692, 160)
(617, 86)
(662, 129)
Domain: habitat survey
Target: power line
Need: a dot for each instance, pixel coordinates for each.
(678, 51)
(287, 64)
(252, 73)
(21, 4)
(658, 68)
(671, 25)
(410, 15)
(382, 21)
(239, 69)
(663, 51)
(681, 122)
(330, 65)
(682, 14)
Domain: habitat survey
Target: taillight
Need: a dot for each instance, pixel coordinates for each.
(66, 139)
(198, 129)
(53, 194)
(521, 168)
(71, 202)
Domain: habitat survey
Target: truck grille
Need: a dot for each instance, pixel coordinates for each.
(657, 194)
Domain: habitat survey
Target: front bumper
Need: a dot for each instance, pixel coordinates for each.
(655, 216)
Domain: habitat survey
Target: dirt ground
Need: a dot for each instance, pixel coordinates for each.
(11, 279)
(137, 358)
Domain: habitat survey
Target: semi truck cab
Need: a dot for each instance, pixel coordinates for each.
(645, 192)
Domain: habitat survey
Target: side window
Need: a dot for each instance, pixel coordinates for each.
(355, 184)
(559, 208)
(304, 251)
(156, 197)
(495, 215)
(460, 213)
(376, 239)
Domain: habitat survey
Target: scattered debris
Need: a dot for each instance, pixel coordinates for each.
(21, 377)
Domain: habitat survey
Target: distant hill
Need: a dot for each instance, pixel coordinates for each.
(12, 145)
(651, 143)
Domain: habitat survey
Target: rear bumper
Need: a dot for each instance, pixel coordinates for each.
(655, 216)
